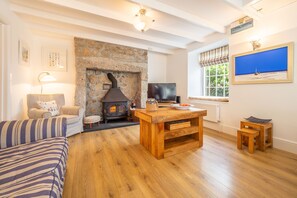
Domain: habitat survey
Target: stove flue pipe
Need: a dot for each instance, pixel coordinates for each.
(113, 80)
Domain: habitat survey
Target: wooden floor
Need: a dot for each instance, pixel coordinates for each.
(112, 163)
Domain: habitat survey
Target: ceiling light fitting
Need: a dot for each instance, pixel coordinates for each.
(142, 22)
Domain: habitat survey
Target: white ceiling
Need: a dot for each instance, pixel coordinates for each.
(177, 23)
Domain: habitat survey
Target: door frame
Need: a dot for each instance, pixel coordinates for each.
(4, 71)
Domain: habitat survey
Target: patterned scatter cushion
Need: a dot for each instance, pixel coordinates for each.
(50, 106)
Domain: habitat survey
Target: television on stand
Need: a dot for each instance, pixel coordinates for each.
(162, 92)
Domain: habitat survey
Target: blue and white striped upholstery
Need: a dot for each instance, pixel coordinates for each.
(13, 133)
(37, 167)
(33, 157)
(46, 185)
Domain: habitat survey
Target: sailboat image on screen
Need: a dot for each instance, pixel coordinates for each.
(270, 65)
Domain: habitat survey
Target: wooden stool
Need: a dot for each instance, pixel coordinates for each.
(266, 133)
(251, 135)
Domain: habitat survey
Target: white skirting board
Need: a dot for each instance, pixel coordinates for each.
(213, 111)
(286, 145)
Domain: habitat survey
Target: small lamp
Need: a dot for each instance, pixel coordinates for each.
(256, 44)
(45, 77)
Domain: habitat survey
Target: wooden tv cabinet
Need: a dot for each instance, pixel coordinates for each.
(161, 142)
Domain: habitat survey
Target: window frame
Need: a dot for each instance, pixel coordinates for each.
(216, 75)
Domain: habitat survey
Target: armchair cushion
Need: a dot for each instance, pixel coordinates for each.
(72, 110)
(70, 119)
(50, 106)
(35, 113)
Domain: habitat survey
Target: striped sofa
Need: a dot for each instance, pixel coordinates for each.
(33, 155)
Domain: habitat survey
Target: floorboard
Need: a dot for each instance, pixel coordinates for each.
(112, 163)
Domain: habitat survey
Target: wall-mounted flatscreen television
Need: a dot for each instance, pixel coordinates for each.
(162, 92)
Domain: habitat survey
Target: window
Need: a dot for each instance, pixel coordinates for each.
(215, 65)
(216, 81)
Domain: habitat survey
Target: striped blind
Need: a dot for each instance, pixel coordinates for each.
(214, 56)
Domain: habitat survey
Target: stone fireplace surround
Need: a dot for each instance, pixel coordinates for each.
(128, 82)
(96, 55)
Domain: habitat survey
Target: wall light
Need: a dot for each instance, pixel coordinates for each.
(45, 77)
(256, 44)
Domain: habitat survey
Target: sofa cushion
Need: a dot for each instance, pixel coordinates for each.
(44, 185)
(70, 119)
(28, 161)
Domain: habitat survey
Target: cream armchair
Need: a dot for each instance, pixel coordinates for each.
(73, 114)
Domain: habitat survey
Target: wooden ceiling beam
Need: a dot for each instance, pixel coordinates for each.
(53, 30)
(244, 6)
(80, 6)
(95, 26)
(194, 19)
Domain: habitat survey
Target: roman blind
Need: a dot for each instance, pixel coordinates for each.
(214, 56)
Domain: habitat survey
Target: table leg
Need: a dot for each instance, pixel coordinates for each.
(239, 140)
(198, 136)
(200, 131)
(152, 138)
(251, 144)
(262, 139)
(143, 132)
(157, 140)
(270, 137)
(258, 141)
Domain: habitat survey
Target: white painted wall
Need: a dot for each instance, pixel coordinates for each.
(157, 64)
(19, 81)
(275, 101)
(65, 80)
(195, 84)
(177, 72)
(22, 80)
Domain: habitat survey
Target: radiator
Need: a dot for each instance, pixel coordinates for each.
(213, 111)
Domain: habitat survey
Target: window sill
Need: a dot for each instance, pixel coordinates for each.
(209, 98)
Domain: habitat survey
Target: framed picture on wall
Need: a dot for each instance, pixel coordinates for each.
(268, 65)
(24, 53)
(54, 58)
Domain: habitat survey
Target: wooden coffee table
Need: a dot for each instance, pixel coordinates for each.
(161, 142)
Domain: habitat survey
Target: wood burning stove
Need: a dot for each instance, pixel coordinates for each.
(115, 103)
